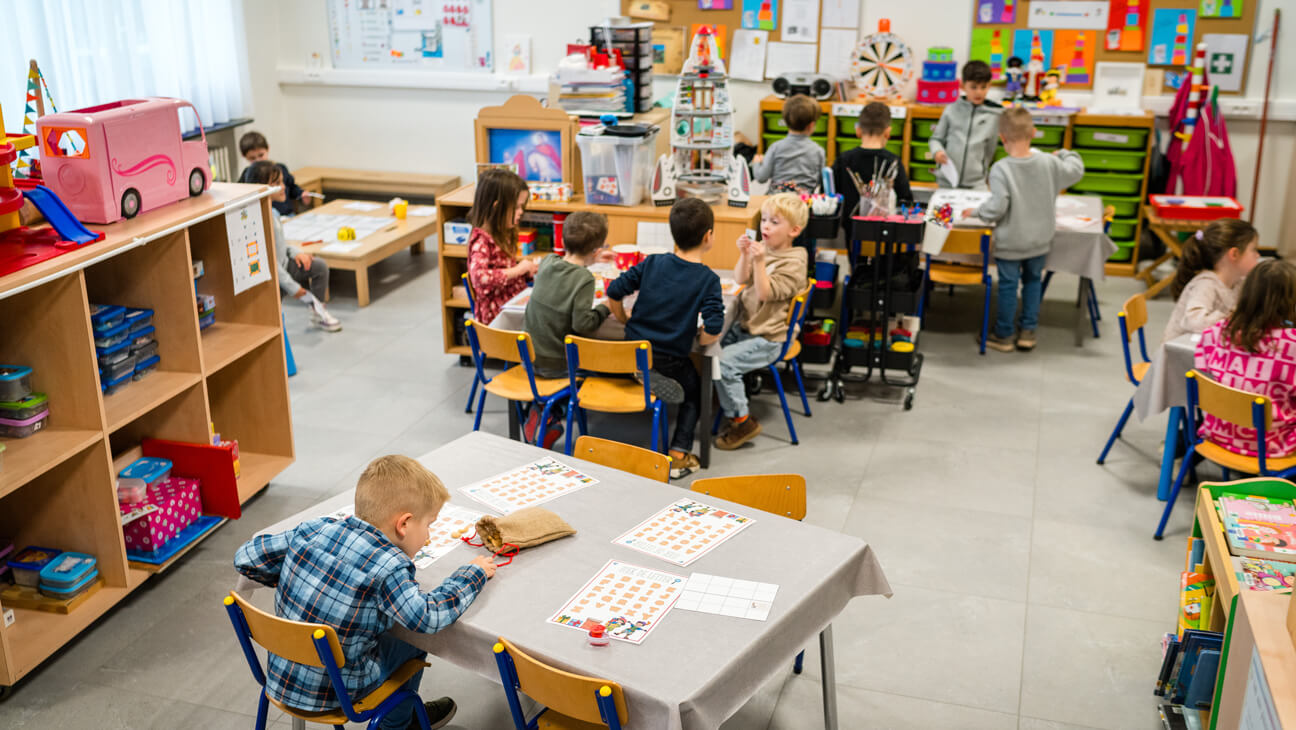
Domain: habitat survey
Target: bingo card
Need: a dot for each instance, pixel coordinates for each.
(684, 531)
(525, 486)
(440, 541)
(629, 601)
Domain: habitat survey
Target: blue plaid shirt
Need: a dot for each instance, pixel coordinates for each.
(348, 575)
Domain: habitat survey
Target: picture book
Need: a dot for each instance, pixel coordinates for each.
(1265, 575)
(1259, 527)
(529, 485)
(1196, 590)
(684, 531)
(627, 600)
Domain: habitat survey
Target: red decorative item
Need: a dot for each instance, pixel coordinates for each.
(1196, 207)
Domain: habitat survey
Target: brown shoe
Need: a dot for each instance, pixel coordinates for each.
(738, 434)
(683, 466)
(1002, 344)
(1026, 340)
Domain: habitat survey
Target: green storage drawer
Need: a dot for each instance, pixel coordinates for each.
(1122, 206)
(1109, 182)
(774, 122)
(919, 172)
(1048, 136)
(844, 145)
(1125, 138)
(1123, 229)
(846, 127)
(922, 128)
(1124, 250)
(920, 152)
(1115, 160)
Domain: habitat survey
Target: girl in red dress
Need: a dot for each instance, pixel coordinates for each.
(494, 269)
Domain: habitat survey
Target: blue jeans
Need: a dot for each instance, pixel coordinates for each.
(743, 352)
(1029, 273)
(392, 653)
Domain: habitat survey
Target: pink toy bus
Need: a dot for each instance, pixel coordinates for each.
(116, 160)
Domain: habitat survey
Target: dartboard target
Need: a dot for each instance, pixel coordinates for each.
(882, 64)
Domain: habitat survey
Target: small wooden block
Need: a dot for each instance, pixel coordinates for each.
(16, 596)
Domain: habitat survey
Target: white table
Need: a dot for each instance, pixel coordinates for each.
(1164, 387)
(695, 669)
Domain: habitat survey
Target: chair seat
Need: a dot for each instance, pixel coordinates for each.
(512, 384)
(956, 274)
(1140, 369)
(370, 701)
(612, 395)
(794, 349)
(1237, 462)
(550, 720)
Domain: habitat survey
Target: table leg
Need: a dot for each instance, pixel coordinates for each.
(362, 286)
(1157, 287)
(828, 673)
(1082, 311)
(1173, 419)
(515, 428)
(707, 414)
(417, 248)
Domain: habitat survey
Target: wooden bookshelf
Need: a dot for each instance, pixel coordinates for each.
(57, 486)
(1259, 629)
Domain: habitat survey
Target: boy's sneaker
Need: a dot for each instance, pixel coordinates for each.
(738, 434)
(1026, 340)
(553, 430)
(683, 466)
(321, 318)
(439, 713)
(1002, 344)
(667, 390)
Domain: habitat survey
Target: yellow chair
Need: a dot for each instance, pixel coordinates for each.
(572, 701)
(953, 274)
(316, 645)
(518, 384)
(779, 494)
(633, 459)
(611, 395)
(1240, 408)
(1132, 317)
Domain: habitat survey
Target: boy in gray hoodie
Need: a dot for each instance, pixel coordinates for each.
(1023, 194)
(967, 131)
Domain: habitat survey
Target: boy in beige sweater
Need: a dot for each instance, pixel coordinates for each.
(774, 271)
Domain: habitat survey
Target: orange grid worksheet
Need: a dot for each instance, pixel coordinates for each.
(525, 486)
(627, 600)
(684, 531)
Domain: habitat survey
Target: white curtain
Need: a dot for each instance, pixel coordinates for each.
(97, 51)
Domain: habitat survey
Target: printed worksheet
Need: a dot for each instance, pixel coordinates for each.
(247, 247)
(684, 531)
(727, 596)
(627, 600)
(526, 486)
(324, 227)
(441, 539)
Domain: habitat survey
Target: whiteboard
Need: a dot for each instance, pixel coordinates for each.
(437, 35)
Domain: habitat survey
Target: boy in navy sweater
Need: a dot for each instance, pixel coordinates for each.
(674, 288)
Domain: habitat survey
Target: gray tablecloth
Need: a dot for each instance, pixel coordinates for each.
(695, 669)
(1163, 386)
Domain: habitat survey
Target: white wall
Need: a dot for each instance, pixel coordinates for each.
(431, 130)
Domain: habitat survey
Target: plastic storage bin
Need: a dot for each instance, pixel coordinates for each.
(131, 491)
(151, 469)
(104, 339)
(919, 172)
(114, 371)
(922, 128)
(1048, 136)
(139, 319)
(846, 126)
(1115, 137)
(112, 386)
(24, 408)
(141, 337)
(1109, 182)
(29, 562)
(106, 316)
(774, 121)
(617, 164)
(12, 428)
(146, 367)
(1117, 160)
(1122, 230)
(115, 354)
(15, 382)
(144, 352)
(68, 575)
(920, 152)
(1124, 250)
(1122, 206)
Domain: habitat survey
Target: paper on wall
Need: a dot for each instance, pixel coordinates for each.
(653, 237)
(781, 58)
(835, 49)
(1070, 14)
(841, 13)
(801, 21)
(248, 247)
(1225, 59)
(747, 61)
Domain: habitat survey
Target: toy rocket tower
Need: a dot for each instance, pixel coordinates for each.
(996, 54)
(1076, 72)
(701, 162)
(1179, 54)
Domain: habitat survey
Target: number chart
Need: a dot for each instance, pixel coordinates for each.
(525, 486)
(627, 600)
(684, 531)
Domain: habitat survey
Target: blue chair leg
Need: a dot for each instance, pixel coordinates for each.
(1048, 276)
(659, 417)
(1093, 298)
(796, 370)
(472, 394)
(1174, 494)
(985, 318)
(263, 705)
(481, 404)
(1115, 434)
(1226, 474)
(571, 409)
(656, 430)
(800, 661)
(787, 412)
(715, 422)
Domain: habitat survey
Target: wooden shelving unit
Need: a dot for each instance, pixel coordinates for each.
(57, 487)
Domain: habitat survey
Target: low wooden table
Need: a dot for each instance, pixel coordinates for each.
(414, 186)
(373, 248)
(1165, 229)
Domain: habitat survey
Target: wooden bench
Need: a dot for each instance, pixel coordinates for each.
(415, 187)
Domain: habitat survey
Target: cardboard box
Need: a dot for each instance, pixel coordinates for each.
(178, 505)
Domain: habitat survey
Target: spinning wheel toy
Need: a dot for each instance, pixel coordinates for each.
(882, 63)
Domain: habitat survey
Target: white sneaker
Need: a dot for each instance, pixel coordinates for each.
(321, 318)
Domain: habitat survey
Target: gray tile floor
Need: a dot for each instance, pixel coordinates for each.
(1028, 590)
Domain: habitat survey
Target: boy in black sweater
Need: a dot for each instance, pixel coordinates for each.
(674, 288)
(873, 128)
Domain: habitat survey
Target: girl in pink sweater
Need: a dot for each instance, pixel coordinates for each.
(495, 271)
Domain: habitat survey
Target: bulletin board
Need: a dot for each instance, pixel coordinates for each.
(686, 13)
(1242, 24)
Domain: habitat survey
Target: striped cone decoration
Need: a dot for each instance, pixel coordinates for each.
(996, 54)
(1179, 55)
(1076, 71)
(1194, 98)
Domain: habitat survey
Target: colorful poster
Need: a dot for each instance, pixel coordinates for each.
(989, 45)
(535, 152)
(627, 600)
(1226, 55)
(715, 4)
(1126, 25)
(996, 11)
(684, 531)
(1031, 45)
(760, 14)
(1172, 37)
(1074, 50)
(721, 33)
(1221, 8)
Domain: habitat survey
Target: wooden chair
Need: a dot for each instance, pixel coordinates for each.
(518, 384)
(1132, 317)
(472, 312)
(572, 701)
(936, 272)
(1240, 408)
(316, 645)
(779, 494)
(633, 459)
(1095, 316)
(611, 395)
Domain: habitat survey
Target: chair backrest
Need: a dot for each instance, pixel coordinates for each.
(609, 356)
(1109, 214)
(627, 458)
(780, 494)
(1238, 407)
(573, 695)
(1136, 315)
(506, 345)
(965, 244)
(796, 316)
(468, 292)
(292, 640)
(1133, 316)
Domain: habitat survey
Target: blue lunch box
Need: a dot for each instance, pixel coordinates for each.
(106, 316)
(139, 319)
(29, 562)
(150, 469)
(15, 382)
(68, 572)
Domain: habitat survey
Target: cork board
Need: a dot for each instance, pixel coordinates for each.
(1243, 25)
(685, 14)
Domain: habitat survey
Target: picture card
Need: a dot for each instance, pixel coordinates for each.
(684, 531)
(727, 597)
(996, 11)
(1172, 37)
(627, 600)
(1226, 55)
(1222, 8)
(760, 14)
(1126, 25)
(526, 486)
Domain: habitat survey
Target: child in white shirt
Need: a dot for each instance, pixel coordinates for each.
(1215, 262)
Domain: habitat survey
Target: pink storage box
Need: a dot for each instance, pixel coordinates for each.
(178, 505)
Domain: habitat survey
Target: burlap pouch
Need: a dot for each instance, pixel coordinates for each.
(525, 528)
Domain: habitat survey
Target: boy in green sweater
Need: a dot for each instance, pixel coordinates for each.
(562, 302)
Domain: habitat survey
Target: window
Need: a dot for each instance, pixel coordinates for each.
(66, 142)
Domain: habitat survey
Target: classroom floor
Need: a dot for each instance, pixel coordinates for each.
(1028, 590)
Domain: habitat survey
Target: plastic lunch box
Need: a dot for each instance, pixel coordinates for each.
(124, 366)
(106, 316)
(145, 367)
(112, 336)
(68, 575)
(112, 386)
(131, 491)
(144, 352)
(141, 337)
(15, 382)
(28, 564)
(152, 470)
(138, 319)
(115, 354)
(24, 408)
(11, 428)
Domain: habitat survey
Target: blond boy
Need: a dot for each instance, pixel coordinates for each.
(356, 576)
(774, 271)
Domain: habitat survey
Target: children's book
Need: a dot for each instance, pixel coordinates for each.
(1195, 599)
(1259, 527)
(1265, 575)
